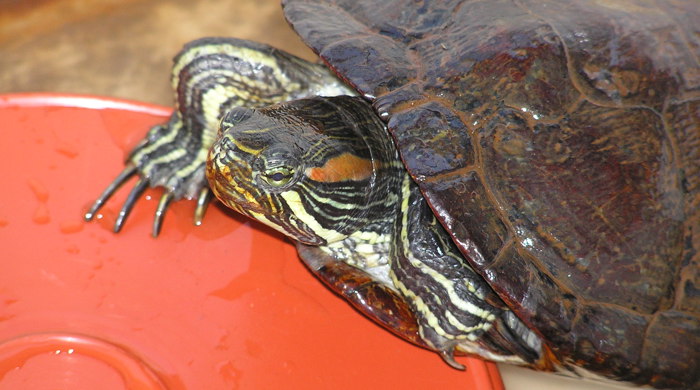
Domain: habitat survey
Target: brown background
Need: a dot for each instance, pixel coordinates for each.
(123, 48)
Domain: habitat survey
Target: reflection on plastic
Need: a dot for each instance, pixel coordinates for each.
(15, 354)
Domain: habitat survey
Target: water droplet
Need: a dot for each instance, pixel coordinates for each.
(69, 227)
(39, 190)
(229, 372)
(67, 150)
(41, 215)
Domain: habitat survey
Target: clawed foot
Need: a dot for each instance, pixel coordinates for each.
(448, 356)
(168, 196)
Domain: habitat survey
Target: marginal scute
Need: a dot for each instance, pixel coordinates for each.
(609, 337)
(367, 61)
(433, 140)
(400, 99)
(682, 331)
(543, 304)
(377, 55)
(322, 23)
(472, 219)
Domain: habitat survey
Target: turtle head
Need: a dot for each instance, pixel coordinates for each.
(301, 167)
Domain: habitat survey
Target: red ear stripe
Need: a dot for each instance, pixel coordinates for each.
(344, 167)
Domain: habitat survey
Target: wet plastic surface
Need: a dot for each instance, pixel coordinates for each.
(222, 306)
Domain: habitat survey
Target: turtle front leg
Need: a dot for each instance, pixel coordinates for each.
(371, 297)
(210, 76)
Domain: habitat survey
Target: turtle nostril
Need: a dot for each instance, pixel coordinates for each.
(225, 144)
(236, 116)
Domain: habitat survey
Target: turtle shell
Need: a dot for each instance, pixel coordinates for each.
(559, 144)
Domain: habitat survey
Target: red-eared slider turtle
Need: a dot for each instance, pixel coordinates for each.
(538, 201)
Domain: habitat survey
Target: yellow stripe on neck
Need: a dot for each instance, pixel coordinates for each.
(297, 208)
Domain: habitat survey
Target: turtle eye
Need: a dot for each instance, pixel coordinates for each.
(278, 176)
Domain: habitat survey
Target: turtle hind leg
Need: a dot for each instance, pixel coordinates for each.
(372, 298)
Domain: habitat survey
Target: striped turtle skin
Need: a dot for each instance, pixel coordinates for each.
(548, 214)
(322, 171)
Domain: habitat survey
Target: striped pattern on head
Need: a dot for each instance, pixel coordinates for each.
(309, 168)
(210, 77)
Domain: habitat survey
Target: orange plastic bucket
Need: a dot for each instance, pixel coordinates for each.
(225, 305)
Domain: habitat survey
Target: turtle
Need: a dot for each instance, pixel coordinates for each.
(514, 179)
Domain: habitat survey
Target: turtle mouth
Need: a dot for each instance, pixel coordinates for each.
(229, 190)
(235, 197)
(248, 207)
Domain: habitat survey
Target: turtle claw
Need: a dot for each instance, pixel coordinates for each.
(129, 203)
(160, 212)
(448, 355)
(126, 174)
(141, 185)
(203, 201)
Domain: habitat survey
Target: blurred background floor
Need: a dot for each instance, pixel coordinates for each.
(124, 48)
